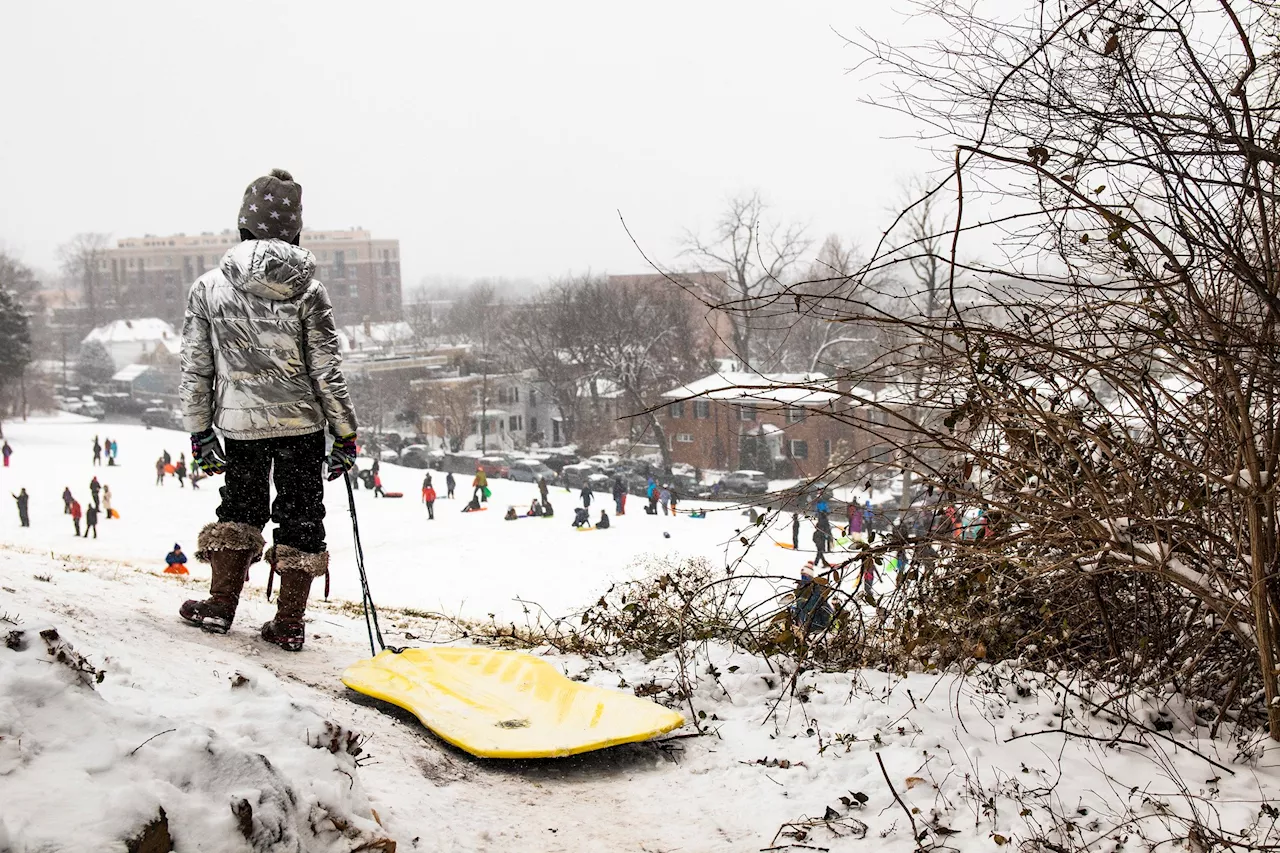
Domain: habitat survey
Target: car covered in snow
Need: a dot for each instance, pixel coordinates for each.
(574, 476)
(157, 416)
(530, 471)
(419, 456)
(600, 483)
(557, 459)
(605, 462)
(745, 482)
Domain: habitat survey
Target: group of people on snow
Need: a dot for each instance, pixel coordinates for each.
(97, 507)
(107, 446)
(166, 467)
(100, 503)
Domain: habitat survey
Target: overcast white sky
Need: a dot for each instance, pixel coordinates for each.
(495, 138)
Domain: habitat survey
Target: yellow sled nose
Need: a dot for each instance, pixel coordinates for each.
(498, 704)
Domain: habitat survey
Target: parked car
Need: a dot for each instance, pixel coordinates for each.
(745, 483)
(687, 486)
(684, 468)
(494, 466)
(575, 475)
(419, 456)
(118, 402)
(388, 455)
(636, 483)
(600, 483)
(157, 416)
(635, 466)
(530, 470)
(605, 462)
(557, 459)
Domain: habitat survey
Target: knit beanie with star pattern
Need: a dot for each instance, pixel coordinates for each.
(272, 208)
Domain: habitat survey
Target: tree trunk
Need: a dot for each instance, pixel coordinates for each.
(1261, 560)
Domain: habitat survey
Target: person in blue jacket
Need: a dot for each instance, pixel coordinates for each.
(175, 557)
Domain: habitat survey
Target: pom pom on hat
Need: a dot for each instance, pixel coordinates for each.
(272, 208)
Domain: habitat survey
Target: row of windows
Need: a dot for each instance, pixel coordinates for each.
(340, 258)
(702, 411)
(515, 423)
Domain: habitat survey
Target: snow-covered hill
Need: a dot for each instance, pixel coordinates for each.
(835, 761)
(467, 565)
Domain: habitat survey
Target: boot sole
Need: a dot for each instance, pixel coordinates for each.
(209, 627)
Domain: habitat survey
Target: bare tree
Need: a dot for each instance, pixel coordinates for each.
(640, 338)
(797, 334)
(745, 261)
(551, 335)
(478, 316)
(421, 316)
(1106, 382)
(82, 259)
(1092, 405)
(453, 404)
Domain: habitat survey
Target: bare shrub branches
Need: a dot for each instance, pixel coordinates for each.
(1080, 377)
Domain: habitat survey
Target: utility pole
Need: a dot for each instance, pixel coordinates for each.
(484, 392)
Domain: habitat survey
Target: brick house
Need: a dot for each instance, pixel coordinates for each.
(787, 425)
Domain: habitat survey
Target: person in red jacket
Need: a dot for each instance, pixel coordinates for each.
(75, 514)
(429, 498)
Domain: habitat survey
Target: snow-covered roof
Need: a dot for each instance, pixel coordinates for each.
(372, 335)
(787, 389)
(606, 389)
(133, 331)
(130, 373)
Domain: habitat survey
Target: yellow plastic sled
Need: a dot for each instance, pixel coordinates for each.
(498, 704)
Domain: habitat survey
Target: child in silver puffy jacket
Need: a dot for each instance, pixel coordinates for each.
(261, 365)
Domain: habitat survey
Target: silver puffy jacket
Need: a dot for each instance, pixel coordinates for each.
(260, 353)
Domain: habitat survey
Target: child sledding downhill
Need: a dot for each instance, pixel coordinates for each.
(261, 362)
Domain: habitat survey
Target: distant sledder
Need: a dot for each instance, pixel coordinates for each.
(261, 361)
(810, 611)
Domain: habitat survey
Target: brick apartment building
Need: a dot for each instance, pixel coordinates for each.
(153, 274)
(781, 424)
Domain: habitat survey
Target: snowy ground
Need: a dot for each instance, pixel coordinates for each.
(467, 565)
(976, 761)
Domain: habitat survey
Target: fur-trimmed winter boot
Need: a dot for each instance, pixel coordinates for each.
(297, 569)
(229, 548)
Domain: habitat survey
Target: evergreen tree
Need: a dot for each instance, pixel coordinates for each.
(94, 365)
(15, 342)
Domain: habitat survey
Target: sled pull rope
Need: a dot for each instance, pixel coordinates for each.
(366, 601)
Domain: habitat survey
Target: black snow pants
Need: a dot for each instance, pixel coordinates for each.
(298, 511)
